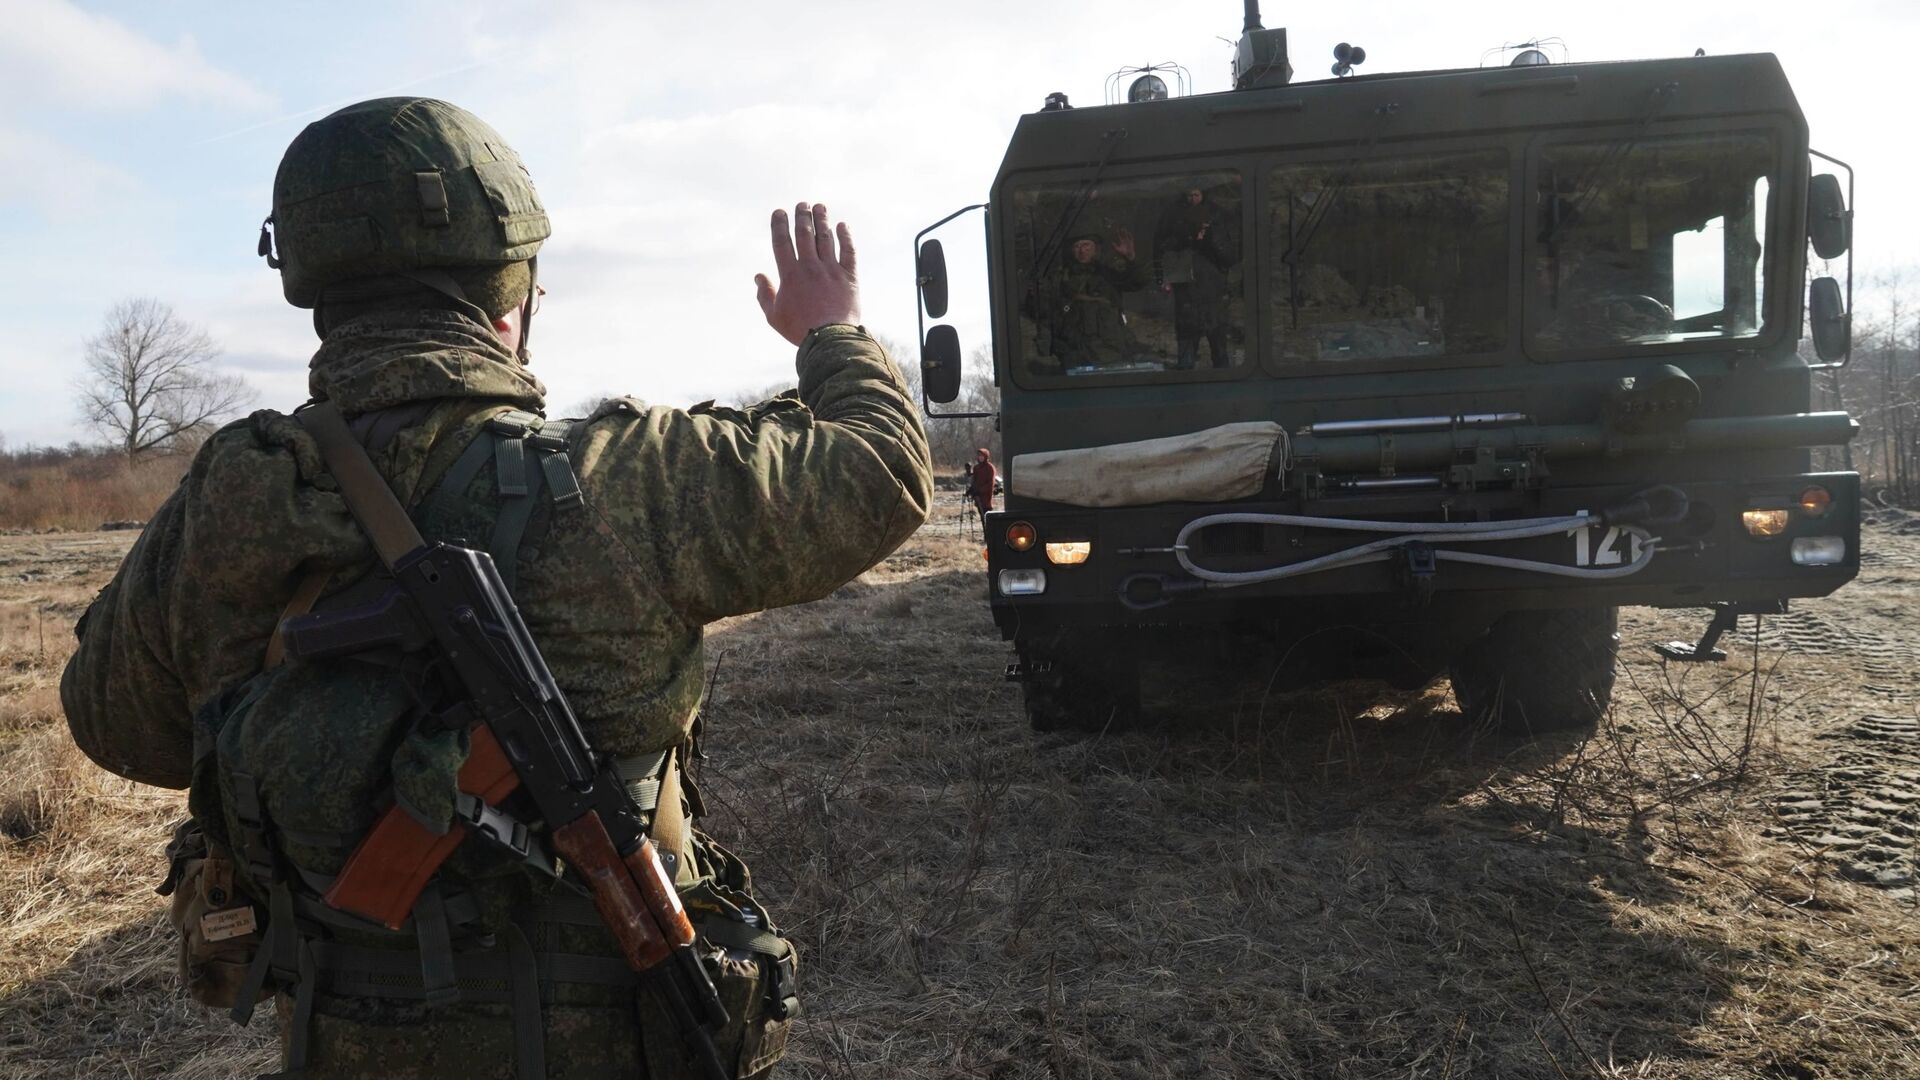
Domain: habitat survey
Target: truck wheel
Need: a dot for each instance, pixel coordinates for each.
(1539, 671)
(1084, 681)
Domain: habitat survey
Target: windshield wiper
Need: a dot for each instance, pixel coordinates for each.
(1323, 202)
(1588, 186)
(1043, 259)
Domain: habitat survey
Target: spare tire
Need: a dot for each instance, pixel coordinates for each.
(1535, 672)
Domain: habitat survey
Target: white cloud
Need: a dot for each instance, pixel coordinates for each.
(54, 52)
(61, 182)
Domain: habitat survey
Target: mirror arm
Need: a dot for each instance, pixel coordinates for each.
(1842, 362)
(920, 315)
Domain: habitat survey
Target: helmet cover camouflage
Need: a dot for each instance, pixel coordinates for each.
(398, 184)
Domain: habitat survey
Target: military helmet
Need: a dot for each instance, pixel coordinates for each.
(397, 185)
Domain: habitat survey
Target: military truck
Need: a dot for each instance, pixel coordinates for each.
(1410, 373)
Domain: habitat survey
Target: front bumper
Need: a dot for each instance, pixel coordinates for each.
(1707, 557)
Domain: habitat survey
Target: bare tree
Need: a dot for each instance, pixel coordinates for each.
(149, 381)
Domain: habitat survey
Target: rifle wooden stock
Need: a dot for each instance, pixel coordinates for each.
(398, 856)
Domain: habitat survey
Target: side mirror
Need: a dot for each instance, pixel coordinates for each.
(932, 273)
(1832, 326)
(1828, 224)
(940, 364)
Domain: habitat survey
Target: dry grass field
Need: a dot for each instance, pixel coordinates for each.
(85, 492)
(1345, 883)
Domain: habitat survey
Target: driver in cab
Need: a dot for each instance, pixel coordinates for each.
(1595, 298)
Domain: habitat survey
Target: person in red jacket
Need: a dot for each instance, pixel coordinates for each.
(984, 475)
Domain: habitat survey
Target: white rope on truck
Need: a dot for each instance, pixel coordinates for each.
(1412, 532)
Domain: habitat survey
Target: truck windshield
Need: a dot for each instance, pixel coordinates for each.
(1388, 258)
(1135, 277)
(1650, 241)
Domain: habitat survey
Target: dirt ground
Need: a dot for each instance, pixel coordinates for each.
(1348, 882)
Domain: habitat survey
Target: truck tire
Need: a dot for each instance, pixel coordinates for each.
(1535, 672)
(1080, 681)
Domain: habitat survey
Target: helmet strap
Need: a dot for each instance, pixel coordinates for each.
(526, 310)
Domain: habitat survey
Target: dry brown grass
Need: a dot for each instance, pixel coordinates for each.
(87, 492)
(1343, 883)
(87, 985)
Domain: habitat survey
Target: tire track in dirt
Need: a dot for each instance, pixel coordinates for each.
(1861, 807)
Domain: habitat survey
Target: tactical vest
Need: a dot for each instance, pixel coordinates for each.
(293, 766)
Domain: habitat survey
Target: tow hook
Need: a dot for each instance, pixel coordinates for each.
(1419, 570)
(1144, 592)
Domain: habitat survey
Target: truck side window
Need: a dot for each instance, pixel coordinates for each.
(1134, 277)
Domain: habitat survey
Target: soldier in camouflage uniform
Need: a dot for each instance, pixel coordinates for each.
(410, 228)
(1082, 302)
(1193, 250)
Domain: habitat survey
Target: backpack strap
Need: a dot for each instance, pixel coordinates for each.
(530, 461)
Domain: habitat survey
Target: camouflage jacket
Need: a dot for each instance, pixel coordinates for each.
(689, 516)
(1083, 301)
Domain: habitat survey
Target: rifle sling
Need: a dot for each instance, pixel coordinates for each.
(670, 822)
(369, 498)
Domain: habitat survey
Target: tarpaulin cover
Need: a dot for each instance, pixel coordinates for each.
(1220, 464)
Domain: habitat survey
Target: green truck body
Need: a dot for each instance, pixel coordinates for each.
(1484, 295)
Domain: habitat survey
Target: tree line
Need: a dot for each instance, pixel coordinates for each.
(1880, 386)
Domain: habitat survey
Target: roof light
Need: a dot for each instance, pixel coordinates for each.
(1148, 88)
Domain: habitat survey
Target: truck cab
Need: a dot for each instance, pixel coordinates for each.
(1468, 358)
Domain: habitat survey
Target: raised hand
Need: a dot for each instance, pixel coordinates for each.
(818, 285)
(1123, 243)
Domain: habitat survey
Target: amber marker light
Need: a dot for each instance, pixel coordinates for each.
(1764, 523)
(1070, 553)
(1021, 536)
(1816, 501)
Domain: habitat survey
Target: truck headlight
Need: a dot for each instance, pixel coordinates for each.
(1023, 582)
(1764, 523)
(1070, 552)
(1021, 535)
(1819, 550)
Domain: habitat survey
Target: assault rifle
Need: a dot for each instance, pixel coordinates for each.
(452, 601)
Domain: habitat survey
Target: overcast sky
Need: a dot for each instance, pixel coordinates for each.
(138, 143)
